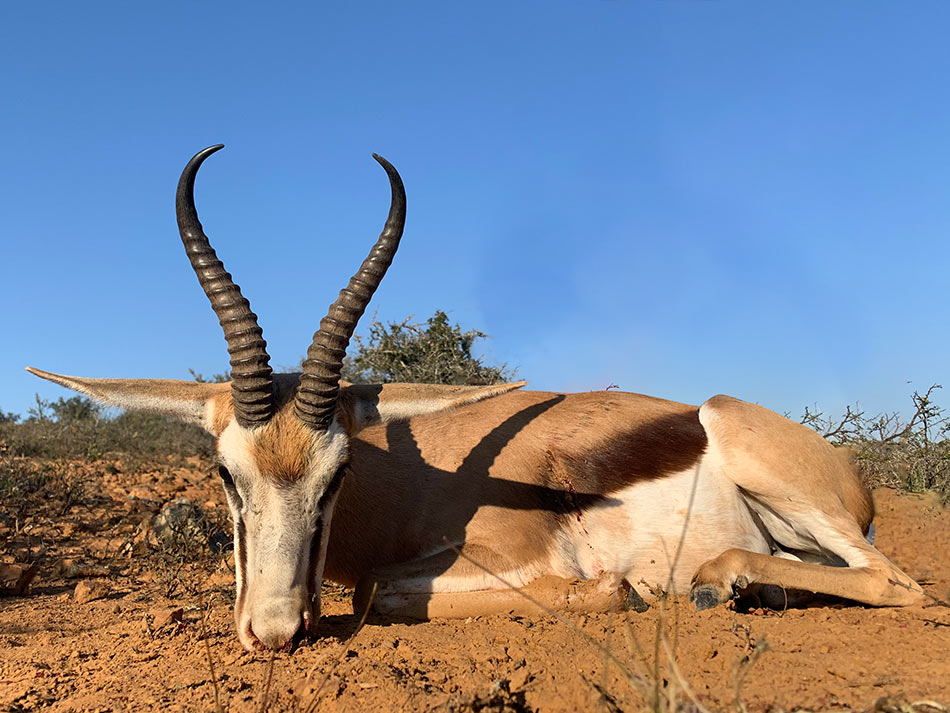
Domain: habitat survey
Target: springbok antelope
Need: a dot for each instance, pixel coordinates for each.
(622, 489)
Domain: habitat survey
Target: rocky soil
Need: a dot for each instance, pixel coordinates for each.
(121, 618)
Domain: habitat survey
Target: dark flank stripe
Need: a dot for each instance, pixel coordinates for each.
(652, 449)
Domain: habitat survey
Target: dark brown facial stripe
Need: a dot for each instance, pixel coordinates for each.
(315, 543)
(241, 554)
(332, 488)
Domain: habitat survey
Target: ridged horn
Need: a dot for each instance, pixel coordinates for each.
(320, 381)
(251, 383)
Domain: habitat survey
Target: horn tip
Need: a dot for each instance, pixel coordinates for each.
(204, 153)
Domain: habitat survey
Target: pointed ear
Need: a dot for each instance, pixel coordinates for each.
(362, 405)
(205, 405)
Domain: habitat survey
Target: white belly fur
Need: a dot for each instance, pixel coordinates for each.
(637, 532)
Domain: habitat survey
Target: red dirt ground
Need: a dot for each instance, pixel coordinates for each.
(131, 650)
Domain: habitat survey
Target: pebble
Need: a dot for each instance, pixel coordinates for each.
(72, 569)
(519, 678)
(89, 591)
(15, 578)
(161, 617)
(180, 523)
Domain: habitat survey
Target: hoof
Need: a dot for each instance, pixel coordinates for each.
(705, 596)
(633, 600)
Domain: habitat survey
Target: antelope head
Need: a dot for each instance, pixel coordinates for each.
(282, 439)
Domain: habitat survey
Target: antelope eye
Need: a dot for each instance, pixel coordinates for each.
(225, 475)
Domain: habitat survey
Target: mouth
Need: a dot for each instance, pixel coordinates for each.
(303, 637)
(268, 637)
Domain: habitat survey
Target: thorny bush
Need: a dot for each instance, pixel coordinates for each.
(908, 454)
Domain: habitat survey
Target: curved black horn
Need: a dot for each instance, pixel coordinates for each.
(251, 385)
(320, 381)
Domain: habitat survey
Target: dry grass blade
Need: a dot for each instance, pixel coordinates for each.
(214, 678)
(741, 670)
(657, 674)
(265, 699)
(603, 679)
(935, 601)
(679, 547)
(634, 643)
(680, 679)
(312, 705)
(669, 702)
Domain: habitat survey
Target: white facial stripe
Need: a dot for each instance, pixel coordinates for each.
(240, 560)
(285, 535)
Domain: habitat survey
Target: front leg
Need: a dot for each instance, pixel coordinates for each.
(446, 585)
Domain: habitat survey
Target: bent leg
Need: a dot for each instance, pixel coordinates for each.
(808, 497)
(878, 583)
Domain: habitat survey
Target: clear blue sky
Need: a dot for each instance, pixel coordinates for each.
(681, 198)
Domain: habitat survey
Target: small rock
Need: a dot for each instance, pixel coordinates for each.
(141, 500)
(89, 591)
(519, 678)
(482, 655)
(15, 578)
(72, 569)
(517, 654)
(162, 617)
(221, 579)
(180, 524)
(303, 688)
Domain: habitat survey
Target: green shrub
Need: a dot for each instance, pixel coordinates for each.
(436, 352)
(137, 437)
